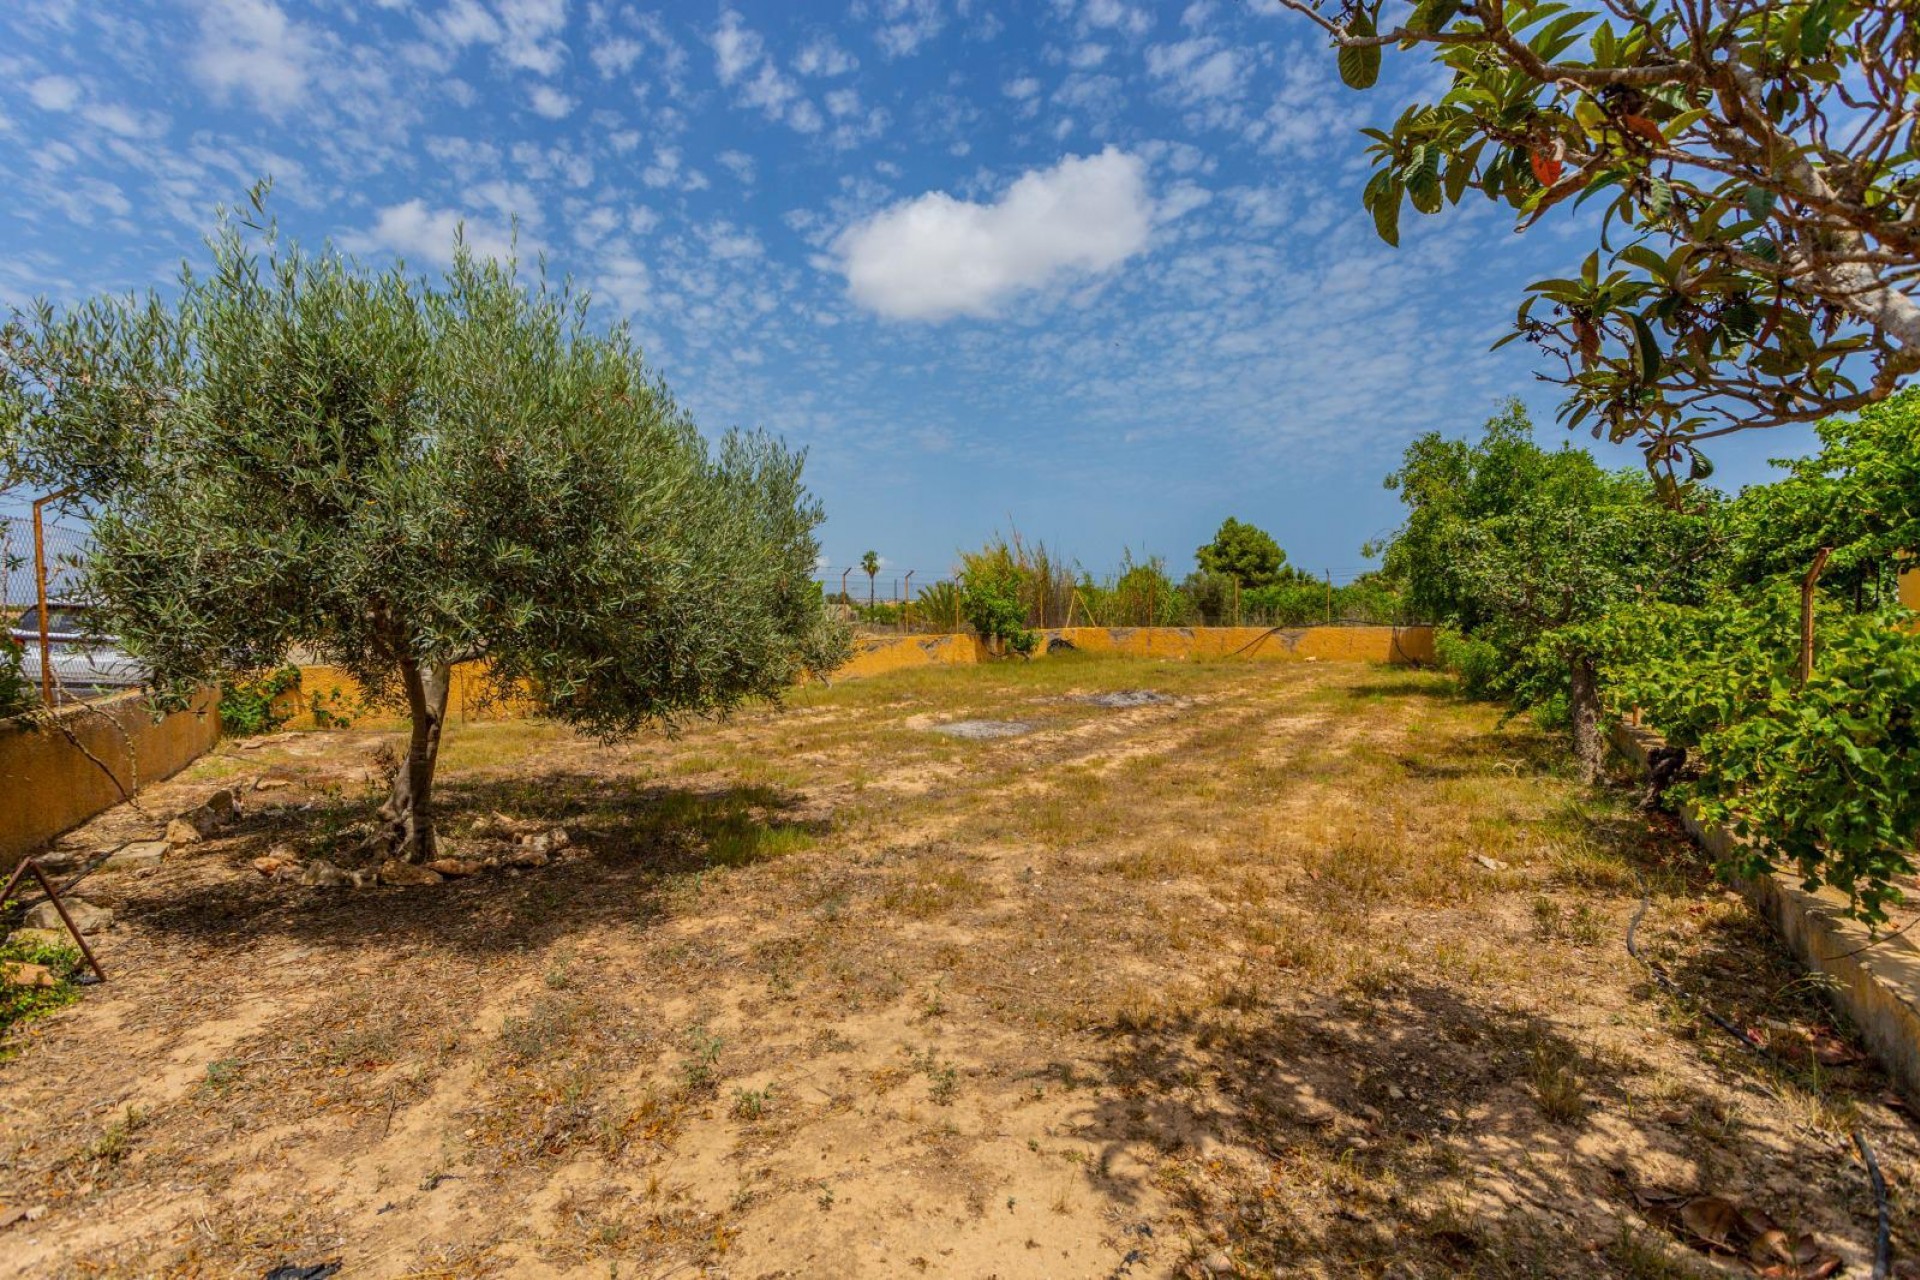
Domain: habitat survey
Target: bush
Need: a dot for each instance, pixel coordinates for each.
(1823, 778)
(19, 1003)
(247, 705)
(16, 694)
(1475, 664)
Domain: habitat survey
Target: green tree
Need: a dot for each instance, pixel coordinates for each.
(870, 563)
(293, 453)
(1518, 546)
(1756, 164)
(1859, 495)
(1243, 552)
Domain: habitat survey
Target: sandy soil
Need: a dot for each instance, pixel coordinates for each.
(1306, 970)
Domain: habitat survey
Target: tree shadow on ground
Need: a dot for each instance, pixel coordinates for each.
(1367, 1118)
(630, 846)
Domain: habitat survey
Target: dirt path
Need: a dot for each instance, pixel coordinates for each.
(1306, 970)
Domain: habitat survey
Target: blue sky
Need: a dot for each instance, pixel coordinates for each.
(1089, 268)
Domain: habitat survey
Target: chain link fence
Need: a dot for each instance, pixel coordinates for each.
(38, 576)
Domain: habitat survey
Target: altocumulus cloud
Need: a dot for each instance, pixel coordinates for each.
(934, 257)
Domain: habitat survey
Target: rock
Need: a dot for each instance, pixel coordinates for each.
(526, 855)
(272, 784)
(1395, 1092)
(394, 871)
(87, 918)
(325, 875)
(62, 860)
(41, 938)
(1218, 1264)
(22, 974)
(221, 805)
(141, 853)
(558, 838)
(1491, 864)
(281, 863)
(455, 868)
(184, 831)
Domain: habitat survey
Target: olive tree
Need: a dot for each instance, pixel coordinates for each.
(294, 455)
(1756, 163)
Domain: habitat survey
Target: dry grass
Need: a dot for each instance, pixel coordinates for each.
(1313, 968)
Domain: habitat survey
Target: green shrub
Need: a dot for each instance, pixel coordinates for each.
(1824, 778)
(19, 1003)
(247, 705)
(16, 694)
(1472, 662)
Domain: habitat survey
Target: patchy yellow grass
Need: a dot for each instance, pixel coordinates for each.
(1306, 970)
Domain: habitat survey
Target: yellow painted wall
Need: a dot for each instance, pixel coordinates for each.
(1264, 644)
(1910, 588)
(341, 695)
(880, 654)
(876, 655)
(48, 786)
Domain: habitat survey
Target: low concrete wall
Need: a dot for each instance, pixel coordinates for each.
(340, 696)
(49, 786)
(1258, 644)
(1875, 980)
(875, 655)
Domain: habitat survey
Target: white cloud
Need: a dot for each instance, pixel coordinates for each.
(251, 47)
(54, 93)
(905, 25)
(1023, 88)
(823, 57)
(413, 230)
(530, 39)
(736, 49)
(616, 56)
(934, 257)
(551, 103)
(1198, 68)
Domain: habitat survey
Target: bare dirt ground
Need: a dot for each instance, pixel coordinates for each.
(1306, 970)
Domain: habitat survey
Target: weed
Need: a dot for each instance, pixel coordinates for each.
(1557, 1085)
(751, 1104)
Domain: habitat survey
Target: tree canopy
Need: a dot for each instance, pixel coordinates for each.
(293, 453)
(1756, 163)
(1244, 552)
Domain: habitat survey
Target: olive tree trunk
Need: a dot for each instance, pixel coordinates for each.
(407, 816)
(1584, 703)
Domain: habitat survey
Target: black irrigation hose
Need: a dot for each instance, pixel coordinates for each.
(1883, 1236)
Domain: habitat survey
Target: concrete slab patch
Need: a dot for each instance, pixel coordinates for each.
(983, 730)
(1124, 698)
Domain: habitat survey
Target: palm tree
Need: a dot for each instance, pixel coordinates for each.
(871, 563)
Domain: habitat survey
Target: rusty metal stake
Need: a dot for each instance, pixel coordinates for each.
(53, 896)
(1806, 612)
(906, 605)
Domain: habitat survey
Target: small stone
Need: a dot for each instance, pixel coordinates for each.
(141, 853)
(1395, 1092)
(527, 855)
(221, 806)
(1218, 1264)
(87, 918)
(394, 871)
(273, 784)
(455, 868)
(21, 974)
(280, 864)
(1491, 864)
(557, 838)
(325, 875)
(183, 831)
(61, 861)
